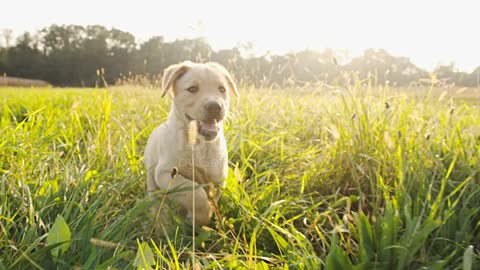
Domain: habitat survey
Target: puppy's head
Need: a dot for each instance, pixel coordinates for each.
(201, 92)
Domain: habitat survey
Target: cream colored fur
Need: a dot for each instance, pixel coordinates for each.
(168, 148)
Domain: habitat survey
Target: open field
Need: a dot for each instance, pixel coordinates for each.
(20, 82)
(337, 180)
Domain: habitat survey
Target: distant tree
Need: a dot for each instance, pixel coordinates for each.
(445, 73)
(61, 45)
(381, 67)
(5, 42)
(151, 56)
(230, 58)
(7, 36)
(120, 51)
(474, 78)
(25, 59)
(3, 60)
(449, 75)
(314, 66)
(77, 55)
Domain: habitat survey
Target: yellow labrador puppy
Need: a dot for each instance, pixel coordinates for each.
(200, 94)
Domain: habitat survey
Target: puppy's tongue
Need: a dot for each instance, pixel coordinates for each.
(208, 128)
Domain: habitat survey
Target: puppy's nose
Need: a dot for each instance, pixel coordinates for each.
(213, 108)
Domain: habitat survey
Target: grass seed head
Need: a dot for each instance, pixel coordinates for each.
(192, 132)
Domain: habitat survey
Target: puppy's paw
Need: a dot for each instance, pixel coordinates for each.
(203, 210)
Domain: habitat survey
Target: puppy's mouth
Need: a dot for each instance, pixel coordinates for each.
(207, 128)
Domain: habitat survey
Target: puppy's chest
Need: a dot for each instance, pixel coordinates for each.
(208, 161)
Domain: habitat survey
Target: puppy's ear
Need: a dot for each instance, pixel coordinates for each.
(172, 73)
(226, 74)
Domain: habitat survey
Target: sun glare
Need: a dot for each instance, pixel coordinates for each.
(429, 32)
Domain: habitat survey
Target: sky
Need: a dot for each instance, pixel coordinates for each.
(429, 32)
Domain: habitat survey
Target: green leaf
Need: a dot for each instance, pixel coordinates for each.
(441, 264)
(59, 234)
(144, 258)
(279, 240)
(48, 187)
(468, 258)
(414, 238)
(337, 259)
(261, 265)
(365, 235)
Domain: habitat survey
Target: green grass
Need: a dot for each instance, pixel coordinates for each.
(352, 179)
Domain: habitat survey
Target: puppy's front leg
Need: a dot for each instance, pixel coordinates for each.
(181, 193)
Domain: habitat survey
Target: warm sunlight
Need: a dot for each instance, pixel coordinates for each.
(254, 134)
(428, 32)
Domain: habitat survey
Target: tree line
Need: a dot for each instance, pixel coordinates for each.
(74, 55)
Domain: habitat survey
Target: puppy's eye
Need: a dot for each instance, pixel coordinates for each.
(222, 89)
(192, 89)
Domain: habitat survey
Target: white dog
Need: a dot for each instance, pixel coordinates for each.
(200, 94)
